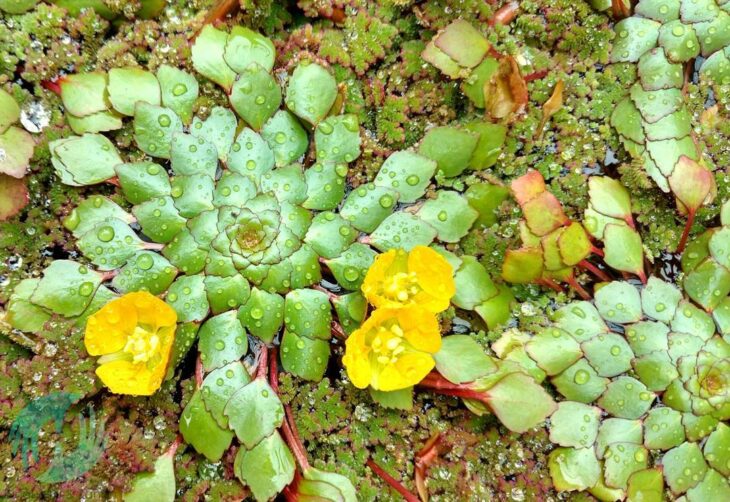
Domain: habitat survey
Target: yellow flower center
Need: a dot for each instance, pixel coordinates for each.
(388, 344)
(142, 345)
(401, 287)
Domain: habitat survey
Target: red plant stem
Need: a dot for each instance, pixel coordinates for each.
(114, 181)
(51, 85)
(620, 10)
(174, 446)
(578, 288)
(597, 251)
(108, 276)
(537, 75)
(394, 483)
(690, 221)
(199, 372)
(337, 331)
(505, 14)
(435, 382)
(221, 10)
(642, 276)
(263, 362)
(288, 427)
(549, 283)
(585, 264)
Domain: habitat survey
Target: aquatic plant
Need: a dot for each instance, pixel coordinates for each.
(643, 376)
(16, 150)
(653, 120)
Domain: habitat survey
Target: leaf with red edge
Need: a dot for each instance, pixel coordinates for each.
(13, 196)
(522, 266)
(544, 214)
(16, 149)
(692, 183)
(462, 43)
(574, 244)
(609, 197)
(528, 186)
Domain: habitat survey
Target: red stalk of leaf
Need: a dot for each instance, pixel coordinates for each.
(505, 14)
(690, 221)
(600, 274)
(394, 483)
(578, 288)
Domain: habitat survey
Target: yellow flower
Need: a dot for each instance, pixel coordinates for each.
(133, 335)
(421, 277)
(393, 349)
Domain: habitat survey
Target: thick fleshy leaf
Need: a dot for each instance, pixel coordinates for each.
(619, 302)
(486, 199)
(84, 160)
(330, 234)
(684, 466)
(635, 36)
(574, 244)
(350, 267)
(66, 288)
(450, 147)
(160, 221)
(368, 205)
(708, 284)
(657, 72)
(9, 111)
(207, 56)
(200, 430)
(626, 397)
(325, 186)
(262, 314)
(491, 139)
(580, 382)
(581, 320)
(222, 340)
(621, 460)
(574, 424)
(219, 129)
(663, 429)
(327, 485)
(519, 402)
(17, 147)
(219, 386)
(92, 211)
(84, 93)
(254, 412)
(154, 127)
(142, 181)
(618, 430)
(450, 214)
(337, 139)
(660, 299)
(245, 47)
(311, 92)
(609, 354)
(692, 183)
(554, 350)
(717, 449)
(157, 485)
(646, 485)
(21, 313)
(714, 486)
(462, 43)
(250, 155)
(192, 194)
(267, 468)
(407, 173)
(255, 96)
(474, 86)
(192, 155)
(303, 356)
(522, 266)
(402, 230)
(129, 85)
(145, 271)
(179, 90)
(110, 243)
(187, 296)
(609, 197)
(351, 309)
(574, 468)
(473, 284)
(226, 293)
(286, 137)
(461, 359)
(679, 41)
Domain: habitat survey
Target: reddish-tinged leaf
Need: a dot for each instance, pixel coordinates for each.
(574, 244)
(692, 183)
(13, 196)
(544, 214)
(528, 186)
(522, 266)
(462, 43)
(609, 197)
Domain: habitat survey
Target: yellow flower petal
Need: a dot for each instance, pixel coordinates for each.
(435, 278)
(378, 271)
(123, 377)
(356, 360)
(406, 372)
(107, 329)
(421, 329)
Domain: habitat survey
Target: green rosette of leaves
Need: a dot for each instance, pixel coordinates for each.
(643, 374)
(653, 121)
(235, 215)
